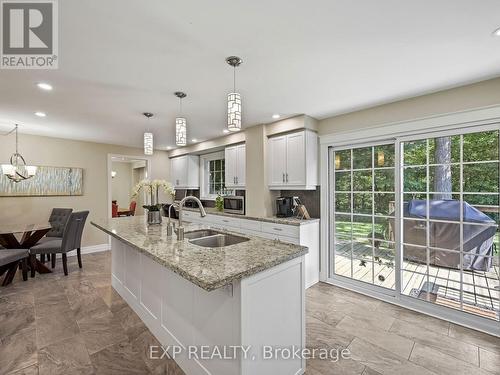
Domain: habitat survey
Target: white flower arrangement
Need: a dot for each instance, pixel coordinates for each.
(152, 187)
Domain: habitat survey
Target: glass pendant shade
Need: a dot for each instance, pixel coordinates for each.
(31, 170)
(8, 169)
(148, 143)
(180, 131)
(234, 112)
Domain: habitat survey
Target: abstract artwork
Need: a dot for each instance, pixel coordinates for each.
(48, 181)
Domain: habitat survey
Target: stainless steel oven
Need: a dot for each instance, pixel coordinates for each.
(234, 205)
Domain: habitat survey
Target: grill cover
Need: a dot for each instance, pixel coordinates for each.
(478, 234)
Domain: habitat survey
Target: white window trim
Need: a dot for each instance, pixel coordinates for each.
(204, 174)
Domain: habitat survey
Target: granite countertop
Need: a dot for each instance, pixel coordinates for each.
(273, 219)
(208, 268)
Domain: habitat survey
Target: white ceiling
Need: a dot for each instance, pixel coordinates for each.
(119, 58)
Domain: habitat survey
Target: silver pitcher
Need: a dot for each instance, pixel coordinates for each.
(154, 217)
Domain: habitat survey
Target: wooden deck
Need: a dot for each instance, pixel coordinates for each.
(439, 285)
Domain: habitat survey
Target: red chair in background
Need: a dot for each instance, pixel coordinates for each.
(132, 207)
(114, 210)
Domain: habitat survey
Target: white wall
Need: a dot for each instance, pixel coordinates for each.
(121, 184)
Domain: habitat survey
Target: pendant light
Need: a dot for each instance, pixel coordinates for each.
(148, 137)
(234, 99)
(180, 123)
(17, 170)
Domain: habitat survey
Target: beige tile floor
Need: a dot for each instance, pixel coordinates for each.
(78, 325)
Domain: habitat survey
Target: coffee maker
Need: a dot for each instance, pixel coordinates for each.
(285, 206)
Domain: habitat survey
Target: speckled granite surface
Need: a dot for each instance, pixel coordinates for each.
(274, 219)
(209, 268)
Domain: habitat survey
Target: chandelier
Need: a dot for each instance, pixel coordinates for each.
(234, 99)
(17, 170)
(180, 123)
(148, 138)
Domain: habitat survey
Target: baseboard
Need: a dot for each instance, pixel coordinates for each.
(92, 249)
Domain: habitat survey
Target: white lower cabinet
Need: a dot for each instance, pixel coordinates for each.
(305, 234)
(258, 311)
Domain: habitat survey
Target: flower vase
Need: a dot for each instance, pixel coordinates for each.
(154, 217)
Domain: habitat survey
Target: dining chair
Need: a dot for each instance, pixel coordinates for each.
(114, 210)
(71, 240)
(9, 263)
(58, 219)
(133, 205)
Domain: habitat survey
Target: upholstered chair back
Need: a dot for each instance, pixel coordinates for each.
(58, 220)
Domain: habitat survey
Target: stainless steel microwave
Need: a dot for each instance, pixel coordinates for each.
(234, 205)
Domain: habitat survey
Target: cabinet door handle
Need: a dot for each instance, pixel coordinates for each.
(225, 221)
(283, 177)
(278, 229)
(287, 177)
(236, 179)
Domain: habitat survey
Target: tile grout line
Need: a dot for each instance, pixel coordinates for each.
(411, 351)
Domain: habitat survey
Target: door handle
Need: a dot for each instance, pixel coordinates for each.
(236, 179)
(283, 177)
(287, 177)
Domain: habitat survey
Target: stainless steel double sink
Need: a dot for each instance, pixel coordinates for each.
(213, 238)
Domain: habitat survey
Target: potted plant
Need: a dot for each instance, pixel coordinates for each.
(219, 203)
(152, 188)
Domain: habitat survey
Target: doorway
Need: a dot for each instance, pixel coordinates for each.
(124, 172)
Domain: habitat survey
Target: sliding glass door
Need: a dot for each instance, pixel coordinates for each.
(364, 212)
(450, 187)
(418, 217)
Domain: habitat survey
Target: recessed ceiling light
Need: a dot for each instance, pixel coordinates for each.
(496, 32)
(169, 147)
(194, 140)
(276, 116)
(225, 131)
(44, 86)
(40, 114)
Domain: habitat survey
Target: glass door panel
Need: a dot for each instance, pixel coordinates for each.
(449, 221)
(364, 211)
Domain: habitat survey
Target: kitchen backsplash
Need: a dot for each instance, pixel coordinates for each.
(309, 198)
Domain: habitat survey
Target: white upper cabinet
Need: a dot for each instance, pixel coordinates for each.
(185, 172)
(235, 166)
(276, 161)
(293, 161)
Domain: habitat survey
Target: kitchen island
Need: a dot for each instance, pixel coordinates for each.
(247, 295)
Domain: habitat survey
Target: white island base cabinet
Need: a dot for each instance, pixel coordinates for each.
(261, 311)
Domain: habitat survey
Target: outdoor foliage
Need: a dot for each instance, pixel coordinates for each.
(369, 172)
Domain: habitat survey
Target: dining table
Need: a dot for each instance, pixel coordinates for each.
(24, 236)
(124, 212)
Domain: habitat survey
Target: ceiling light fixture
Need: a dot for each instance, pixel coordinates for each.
(496, 32)
(225, 131)
(276, 116)
(17, 170)
(44, 86)
(40, 114)
(148, 137)
(234, 99)
(194, 140)
(180, 122)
